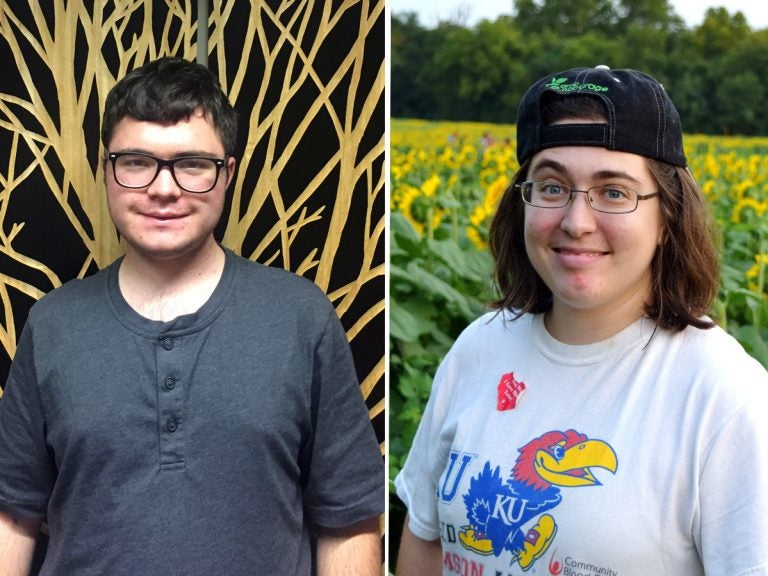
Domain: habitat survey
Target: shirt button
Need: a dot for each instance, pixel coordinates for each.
(168, 343)
(172, 425)
(170, 383)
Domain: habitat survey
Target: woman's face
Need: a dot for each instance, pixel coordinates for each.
(597, 265)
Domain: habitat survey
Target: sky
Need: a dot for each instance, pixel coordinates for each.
(472, 11)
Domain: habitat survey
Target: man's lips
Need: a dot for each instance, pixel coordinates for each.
(162, 216)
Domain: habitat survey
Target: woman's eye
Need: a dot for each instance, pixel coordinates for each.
(552, 189)
(614, 193)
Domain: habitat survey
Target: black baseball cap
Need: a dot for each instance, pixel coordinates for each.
(641, 117)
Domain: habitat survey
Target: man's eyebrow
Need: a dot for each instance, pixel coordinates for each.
(182, 154)
(549, 163)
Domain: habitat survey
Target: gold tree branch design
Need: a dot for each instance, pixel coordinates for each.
(349, 130)
(53, 44)
(109, 39)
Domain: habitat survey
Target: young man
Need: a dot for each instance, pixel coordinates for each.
(184, 411)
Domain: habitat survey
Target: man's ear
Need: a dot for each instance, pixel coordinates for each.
(230, 169)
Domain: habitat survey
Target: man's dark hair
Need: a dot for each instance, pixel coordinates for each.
(166, 91)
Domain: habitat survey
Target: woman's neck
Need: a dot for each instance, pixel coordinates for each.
(579, 326)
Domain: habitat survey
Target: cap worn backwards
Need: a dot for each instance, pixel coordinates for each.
(641, 118)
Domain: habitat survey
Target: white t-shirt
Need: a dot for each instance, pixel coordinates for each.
(645, 454)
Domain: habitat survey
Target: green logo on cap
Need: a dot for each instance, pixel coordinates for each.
(560, 85)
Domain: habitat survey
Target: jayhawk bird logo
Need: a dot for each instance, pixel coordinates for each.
(498, 509)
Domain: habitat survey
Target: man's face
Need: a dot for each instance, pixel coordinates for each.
(161, 221)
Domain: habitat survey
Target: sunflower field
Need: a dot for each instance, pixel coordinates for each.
(446, 179)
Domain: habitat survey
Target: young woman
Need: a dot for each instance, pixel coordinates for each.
(598, 422)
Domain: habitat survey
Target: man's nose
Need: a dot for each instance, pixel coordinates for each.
(164, 184)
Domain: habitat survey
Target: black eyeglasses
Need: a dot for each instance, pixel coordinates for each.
(197, 174)
(611, 199)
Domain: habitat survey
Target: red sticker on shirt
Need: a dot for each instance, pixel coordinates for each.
(510, 392)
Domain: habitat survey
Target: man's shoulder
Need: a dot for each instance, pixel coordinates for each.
(268, 296)
(73, 297)
(279, 283)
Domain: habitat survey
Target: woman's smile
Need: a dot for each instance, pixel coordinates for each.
(594, 263)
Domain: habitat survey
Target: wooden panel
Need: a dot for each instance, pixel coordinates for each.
(308, 81)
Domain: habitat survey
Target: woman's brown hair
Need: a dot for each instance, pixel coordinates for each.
(684, 270)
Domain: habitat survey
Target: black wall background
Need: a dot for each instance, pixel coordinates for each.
(308, 82)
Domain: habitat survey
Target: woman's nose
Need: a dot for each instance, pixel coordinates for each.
(579, 217)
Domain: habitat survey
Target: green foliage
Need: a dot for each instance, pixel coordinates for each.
(713, 72)
(743, 310)
(438, 285)
(720, 33)
(439, 279)
(410, 90)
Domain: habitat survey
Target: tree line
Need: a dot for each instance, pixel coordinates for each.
(716, 72)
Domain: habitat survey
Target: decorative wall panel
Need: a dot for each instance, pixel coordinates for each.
(307, 78)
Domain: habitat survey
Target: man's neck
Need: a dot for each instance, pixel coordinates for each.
(164, 289)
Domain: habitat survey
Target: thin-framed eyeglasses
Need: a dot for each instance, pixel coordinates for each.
(608, 198)
(196, 174)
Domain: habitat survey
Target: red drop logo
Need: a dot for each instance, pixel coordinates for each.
(555, 568)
